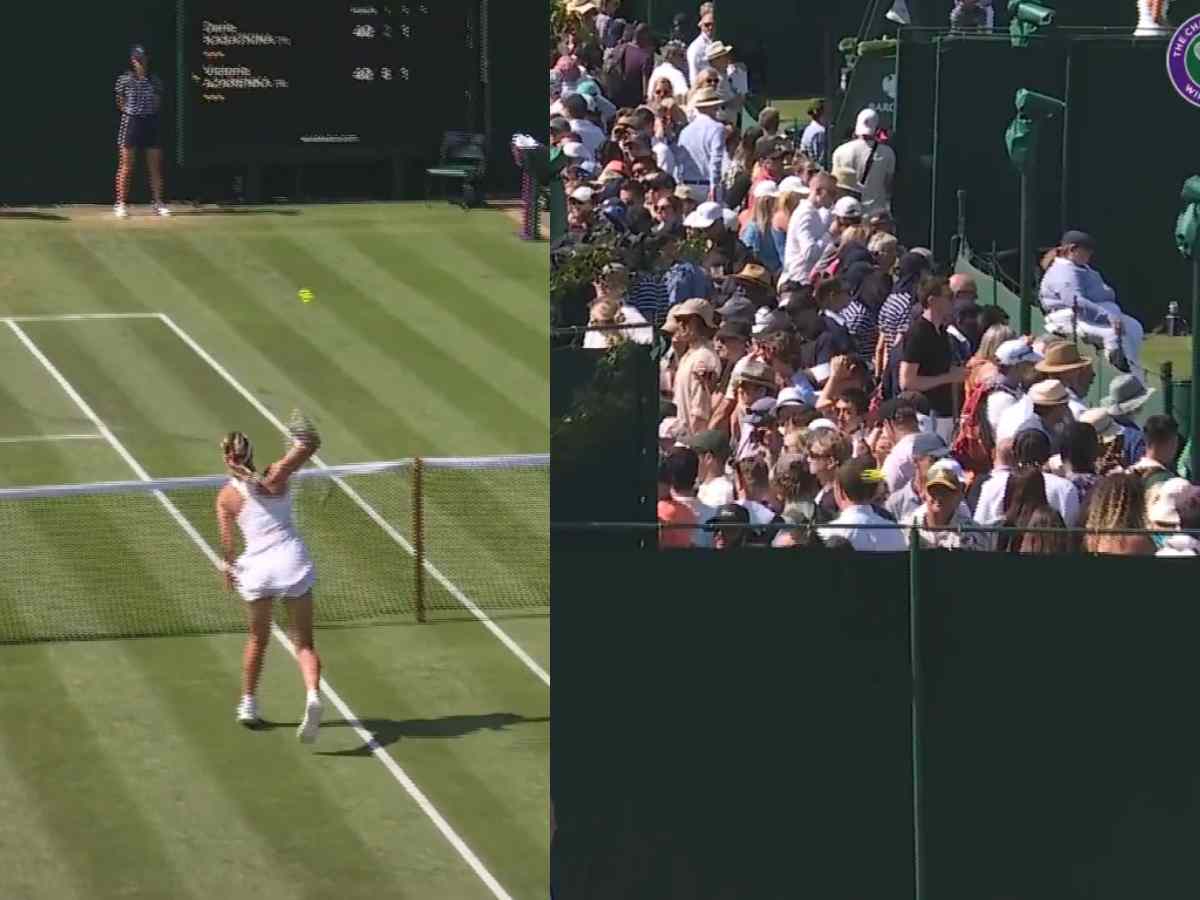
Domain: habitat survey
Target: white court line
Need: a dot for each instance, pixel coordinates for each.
(49, 438)
(362, 504)
(81, 317)
(380, 752)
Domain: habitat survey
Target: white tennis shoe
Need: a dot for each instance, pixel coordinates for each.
(120, 211)
(307, 732)
(162, 210)
(247, 712)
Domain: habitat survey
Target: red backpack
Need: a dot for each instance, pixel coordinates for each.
(975, 443)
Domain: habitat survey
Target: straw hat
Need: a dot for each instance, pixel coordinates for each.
(706, 98)
(717, 49)
(847, 180)
(1048, 393)
(1106, 428)
(754, 274)
(1062, 356)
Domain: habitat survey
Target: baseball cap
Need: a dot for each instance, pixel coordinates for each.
(847, 208)
(711, 441)
(817, 424)
(138, 52)
(947, 473)
(753, 371)
(793, 396)
(793, 184)
(867, 123)
(927, 444)
(1082, 238)
(765, 188)
(761, 412)
(705, 215)
(1015, 352)
(582, 194)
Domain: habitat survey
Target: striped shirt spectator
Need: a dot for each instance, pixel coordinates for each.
(864, 332)
(649, 294)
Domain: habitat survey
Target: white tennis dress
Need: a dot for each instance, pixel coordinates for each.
(275, 563)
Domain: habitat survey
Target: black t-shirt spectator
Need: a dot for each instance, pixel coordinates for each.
(633, 71)
(929, 347)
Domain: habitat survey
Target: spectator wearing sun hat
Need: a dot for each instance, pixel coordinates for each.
(700, 150)
(1043, 409)
(734, 85)
(1062, 361)
(1126, 395)
(694, 323)
(873, 162)
(1015, 360)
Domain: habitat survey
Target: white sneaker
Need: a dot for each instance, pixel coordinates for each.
(899, 13)
(307, 732)
(162, 210)
(120, 211)
(247, 712)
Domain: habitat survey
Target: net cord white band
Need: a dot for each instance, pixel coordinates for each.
(212, 482)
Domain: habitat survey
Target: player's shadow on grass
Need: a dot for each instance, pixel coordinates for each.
(388, 731)
(32, 214)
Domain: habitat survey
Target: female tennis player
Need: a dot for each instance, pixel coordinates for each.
(275, 563)
(139, 98)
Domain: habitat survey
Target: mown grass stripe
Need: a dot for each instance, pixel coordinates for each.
(444, 319)
(519, 261)
(465, 298)
(324, 358)
(439, 372)
(94, 815)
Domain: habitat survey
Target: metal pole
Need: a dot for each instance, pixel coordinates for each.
(1195, 392)
(1026, 253)
(918, 711)
(1066, 133)
(418, 526)
(995, 269)
(1166, 375)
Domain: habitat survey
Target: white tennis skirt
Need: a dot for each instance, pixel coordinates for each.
(285, 570)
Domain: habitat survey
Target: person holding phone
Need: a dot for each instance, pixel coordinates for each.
(139, 98)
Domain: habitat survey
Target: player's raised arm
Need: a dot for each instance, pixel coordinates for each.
(305, 443)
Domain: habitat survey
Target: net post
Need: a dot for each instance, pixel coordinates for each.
(418, 523)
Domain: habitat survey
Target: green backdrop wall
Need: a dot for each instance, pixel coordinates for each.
(738, 724)
(59, 140)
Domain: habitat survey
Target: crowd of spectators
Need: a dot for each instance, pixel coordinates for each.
(823, 383)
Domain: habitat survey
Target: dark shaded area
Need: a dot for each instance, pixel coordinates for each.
(235, 211)
(32, 214)
(708, 748)
(1060, 751)
(387, 731)
(65, 147)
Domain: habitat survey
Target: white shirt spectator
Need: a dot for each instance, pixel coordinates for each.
(734, 82)
(664, 156)
(630, 315)
(1062, 496)
(1017, 417)
(806, 231)
(998, 402)
(590, 135)
(760, 514)
(700, 156)
(696, 56)
(679, 82)
(898, 468)
(880, 540)
(716, 492)
(854, 155)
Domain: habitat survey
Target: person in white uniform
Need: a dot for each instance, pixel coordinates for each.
(274, 563)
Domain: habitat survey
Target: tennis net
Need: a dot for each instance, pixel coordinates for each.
(417, 538)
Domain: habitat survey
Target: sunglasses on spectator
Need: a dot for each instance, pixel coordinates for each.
(960, 295)
(707, 25)
(662, 207)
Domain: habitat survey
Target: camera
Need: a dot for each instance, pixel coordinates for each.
(1031, 13)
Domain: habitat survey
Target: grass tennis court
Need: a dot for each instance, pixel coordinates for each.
(122, 773)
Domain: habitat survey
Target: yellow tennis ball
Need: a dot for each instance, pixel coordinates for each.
(305, 295)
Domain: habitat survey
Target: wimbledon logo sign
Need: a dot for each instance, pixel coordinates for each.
(1183, 60)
